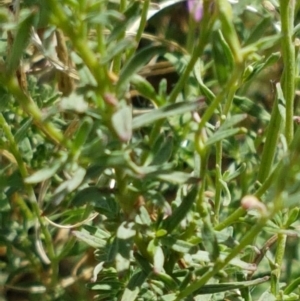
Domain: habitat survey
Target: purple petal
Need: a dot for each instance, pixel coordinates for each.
(195, 8)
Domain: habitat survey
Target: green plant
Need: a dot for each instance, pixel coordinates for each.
(148, 163)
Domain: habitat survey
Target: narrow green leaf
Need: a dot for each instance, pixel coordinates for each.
(178, 177)
(167, 280)
(104, 296)
(161, 233)
(104, 18)
(280, 101)
(257, 67)
(158, 260)
(150, 170)
(109, 285)
(293, 200)
(68, 186)
(248, 106)
(126, 230)
(134, 286)
(143, 263)
(177, 245)
(5, 97)
(223, 287)
(143, 87)
(223, 57)
(186, 280)
(220, 135)
(22, 131)
(116, 48)
(122, 263)
(292, 286)
(292, 217)
(168, 297)
(259, 30)
(231, 121)
(44, 174)
(96, 231)
(73, 102)
(21, 39)
(129, 16)
(136, 63)
(203, 256)
(152, 245)
(167, 111)
(227, 198)
(143, 218)
(87, 195)
(122, 122)
(4, 203)
(270, 146)
(89, 239)
(162, 150)
(210, 241)
(112, 249)
(171, 222)
(228, 176)
(203, 88)
(102, 200)
(82, 134)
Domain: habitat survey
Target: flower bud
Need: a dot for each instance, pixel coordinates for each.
(195, 7)
(251, 202)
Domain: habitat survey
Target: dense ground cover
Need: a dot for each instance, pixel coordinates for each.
(149, 151)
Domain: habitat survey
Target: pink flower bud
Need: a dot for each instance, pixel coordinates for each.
(251, 202)
(195, 8)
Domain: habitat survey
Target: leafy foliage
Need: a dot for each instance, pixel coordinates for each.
(146, 155)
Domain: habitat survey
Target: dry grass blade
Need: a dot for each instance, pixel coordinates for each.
(90, 218)
(56, 63)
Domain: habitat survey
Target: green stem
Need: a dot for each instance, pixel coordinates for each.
(29, 106)
(206, 25)
(101, 47)
(191, 35)
(231, 219)
(216, 102)
(118, 58)
(226, 110)
(100, 36)
(270, 145)
(226, 17)
(275, 275)
(267, 182)
(143, 22)
(287, 11)
(229, 99)
(21, 204)
(125, 197)
(203, 153)
(217, 182)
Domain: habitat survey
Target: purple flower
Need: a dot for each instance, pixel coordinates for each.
(195, 8)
